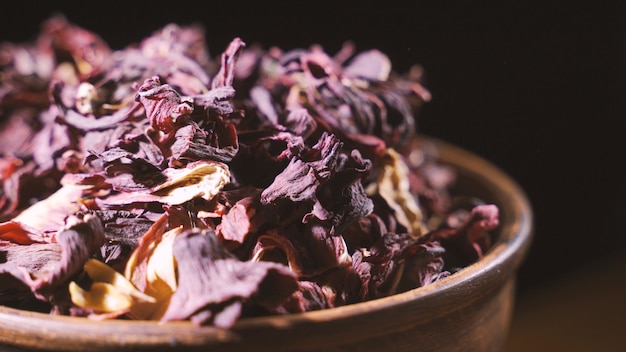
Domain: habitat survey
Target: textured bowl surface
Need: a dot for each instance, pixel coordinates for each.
(468, 311)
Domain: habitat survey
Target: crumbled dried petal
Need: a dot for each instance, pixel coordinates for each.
(226, 73)
(379, 269)
(191, 143)
(123, 230)
(19, 261)
(78, 240)
(89, 52)
(200, 179)
(274, 247)
(136, 266)
(424, 266)
(371, 65)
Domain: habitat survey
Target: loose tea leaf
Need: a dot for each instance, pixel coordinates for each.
(156, 182)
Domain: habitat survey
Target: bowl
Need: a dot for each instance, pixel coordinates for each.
(470, 310)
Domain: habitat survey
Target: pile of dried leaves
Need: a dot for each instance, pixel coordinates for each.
(157, 182)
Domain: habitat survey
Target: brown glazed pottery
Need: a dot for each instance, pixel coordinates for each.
(467, 311)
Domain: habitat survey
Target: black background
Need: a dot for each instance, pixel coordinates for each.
(537, 88)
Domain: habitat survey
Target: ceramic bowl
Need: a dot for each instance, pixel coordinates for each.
(468, 311)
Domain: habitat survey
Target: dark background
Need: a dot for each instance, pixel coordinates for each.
(535, 87)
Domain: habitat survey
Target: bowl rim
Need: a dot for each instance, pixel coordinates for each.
(507, 254)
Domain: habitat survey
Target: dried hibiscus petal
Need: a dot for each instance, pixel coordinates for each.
(123, 229)
(239, 221)
(424, 266)
(89, 52)
(274, 247)
(41, 220)
(301, 178)
(214, 284)
(466, 235)
(164, 106)
(78, 239)
(127, 172)
(192, 143)
(38, 259)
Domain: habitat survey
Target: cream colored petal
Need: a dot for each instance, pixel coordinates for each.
(393, 186)
(100, 272)
(160, 275)
(162, 293)
(142, 251)
(49, 215)
(161, 264)
(200, 179)
(101, 297)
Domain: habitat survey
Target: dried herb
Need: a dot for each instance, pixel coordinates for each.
(157, 182)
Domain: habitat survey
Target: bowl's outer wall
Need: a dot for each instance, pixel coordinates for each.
(468, 311)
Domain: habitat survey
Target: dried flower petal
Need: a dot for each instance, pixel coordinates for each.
(371, 65)
(301, 178)
(213, 283)
(469, 237)
(201, 179)
(238, 222)
(164, 106)
(110, 291)
(101, 297)
(152, 268)
(393, 186)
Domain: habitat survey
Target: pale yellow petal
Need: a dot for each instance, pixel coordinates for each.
(153, 310)
(101, 297)
(160, 276)
(142, 252)
(161, 264)
(201, 179)
(100, 272)
(393, 186)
